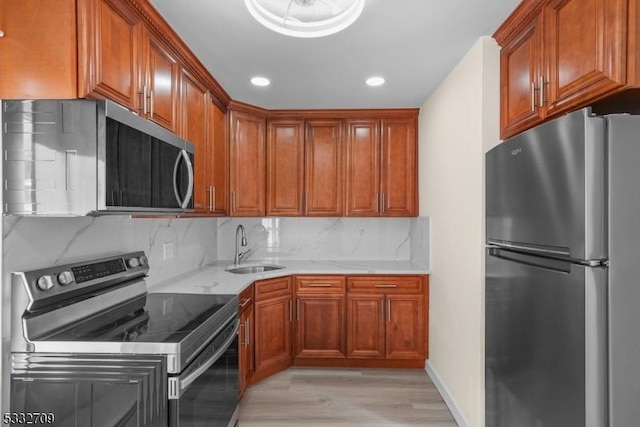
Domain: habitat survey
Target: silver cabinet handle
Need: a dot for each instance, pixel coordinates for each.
(144, 100)
(388, 310)
(377, 202)
(151, 103)
(385, 285)
(382, 207)
(290, 311)
(297, 309)
(319, 285)
(382, 311)
(211, 190)
(1, 34)
(245, 302)
(533, 96)
(541, 84)
(247, 332)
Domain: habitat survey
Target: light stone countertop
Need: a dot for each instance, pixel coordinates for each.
(213, 279)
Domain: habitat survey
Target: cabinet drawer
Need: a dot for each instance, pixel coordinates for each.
(271, 288)
(320, 284)
(386, 284)
(246, 298)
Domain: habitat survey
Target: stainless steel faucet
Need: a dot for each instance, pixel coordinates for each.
(238, 256)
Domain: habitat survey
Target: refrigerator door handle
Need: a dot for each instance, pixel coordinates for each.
(560, 266)
(519, 247)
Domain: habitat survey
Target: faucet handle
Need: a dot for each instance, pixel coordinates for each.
(246, 254)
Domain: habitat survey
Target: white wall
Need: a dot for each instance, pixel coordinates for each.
(458, 122)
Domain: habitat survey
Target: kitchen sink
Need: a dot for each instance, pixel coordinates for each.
(253, 269)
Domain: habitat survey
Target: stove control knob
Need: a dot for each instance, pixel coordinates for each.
(45, 283)
(144, 261)
(133, 262)
(65, 278)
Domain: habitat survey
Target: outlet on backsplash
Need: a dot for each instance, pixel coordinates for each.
(168, 250)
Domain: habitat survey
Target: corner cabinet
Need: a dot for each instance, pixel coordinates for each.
(273, 311)
(247, 164)
(382, 167)
(561, 55)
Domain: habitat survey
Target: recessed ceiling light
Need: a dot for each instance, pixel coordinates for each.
(260, 81)
(375, 81)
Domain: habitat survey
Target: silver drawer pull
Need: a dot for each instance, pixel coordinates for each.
(385, 285)
(245, 302)
(320, 285)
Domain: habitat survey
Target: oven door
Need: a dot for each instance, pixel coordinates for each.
(206, 392)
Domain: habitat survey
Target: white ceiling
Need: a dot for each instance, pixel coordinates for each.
(414, 44)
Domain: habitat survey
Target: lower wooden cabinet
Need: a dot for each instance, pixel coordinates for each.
(245, 339)
(320, 325)
(330, 320)
(273, 326)
(387, 317)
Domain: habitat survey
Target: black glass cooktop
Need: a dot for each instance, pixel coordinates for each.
(160, 318)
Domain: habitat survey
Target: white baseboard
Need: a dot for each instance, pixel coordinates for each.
(446, 395)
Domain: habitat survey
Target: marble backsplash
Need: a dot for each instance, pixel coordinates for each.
(275, 238)
(33, 242)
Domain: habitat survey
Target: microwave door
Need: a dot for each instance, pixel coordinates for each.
(128, 167)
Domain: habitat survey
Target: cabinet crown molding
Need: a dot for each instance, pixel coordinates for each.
(521, 14)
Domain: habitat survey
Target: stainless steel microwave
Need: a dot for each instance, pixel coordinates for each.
(87, 157)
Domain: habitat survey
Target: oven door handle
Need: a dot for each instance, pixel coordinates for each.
(184, 383)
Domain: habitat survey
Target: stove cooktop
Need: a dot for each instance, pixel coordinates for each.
(150, 318)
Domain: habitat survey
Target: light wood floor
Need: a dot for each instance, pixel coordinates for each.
(314, 397)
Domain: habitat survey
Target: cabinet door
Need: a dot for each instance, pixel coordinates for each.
(406, 332)
(520, 72)
(38, 49)
(109, 34)
(324, 186)
(273, 334)
(247, 164)
(399, 168)
(245, 353)
(285, 167)
(320, 326)
(193, 108)
(217, 161)
(161, 85)
(586, 50)
(365, 326)
(362, 167)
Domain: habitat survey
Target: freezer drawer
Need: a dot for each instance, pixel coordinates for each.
(545, 342)
(545, 188)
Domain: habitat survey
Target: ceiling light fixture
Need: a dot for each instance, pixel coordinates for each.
(375, 81)
(260, 81)
(305, 18)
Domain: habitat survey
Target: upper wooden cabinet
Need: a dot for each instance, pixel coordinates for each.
(217, 159)
(561, 55)
(381, 170)
(193, 127)
(304, 167)
(158, 78)
(247, 163)
(38, 50)
(109, 42)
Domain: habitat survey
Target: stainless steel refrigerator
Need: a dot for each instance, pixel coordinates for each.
(562, 305)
